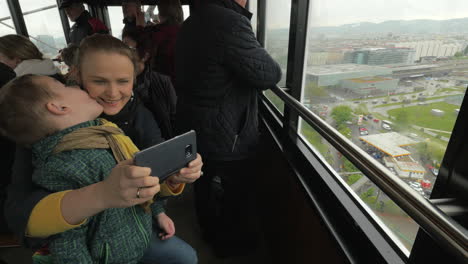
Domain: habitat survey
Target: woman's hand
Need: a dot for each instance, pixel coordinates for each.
(128, 185)
(189, 174)
(167, 225)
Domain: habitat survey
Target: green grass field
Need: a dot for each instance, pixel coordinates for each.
(421, 115)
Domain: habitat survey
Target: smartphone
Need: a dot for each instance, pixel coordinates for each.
(169, 156)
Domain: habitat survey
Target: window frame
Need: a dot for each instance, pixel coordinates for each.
(289, 140)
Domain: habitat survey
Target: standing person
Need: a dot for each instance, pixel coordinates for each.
(155, 89)
(163, 34)
(220, 69)
(85, 25)
(132, 14)
(171, 17)
(106, 71)
(25, 58)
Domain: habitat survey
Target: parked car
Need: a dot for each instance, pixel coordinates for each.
(376, 120)
(363, 131)
(394, 99)
(384, 102)
(386, 126)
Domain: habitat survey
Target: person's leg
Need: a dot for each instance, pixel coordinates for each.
(236, 229)
(171, 251)
(204, 200)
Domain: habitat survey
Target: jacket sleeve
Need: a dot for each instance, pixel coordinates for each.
(246, 58)
(71, 247)
(57, 175)
(22, 195)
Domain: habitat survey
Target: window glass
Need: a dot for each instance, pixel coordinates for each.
(391, 78)
(6, 24)
(116, 20)
(253, 9)
(44, 25)
(278, 15)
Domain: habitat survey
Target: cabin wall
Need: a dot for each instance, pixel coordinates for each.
(293, 230)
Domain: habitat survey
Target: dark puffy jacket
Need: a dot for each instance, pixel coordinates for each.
(84, 26)
(158, 95)
(220, 68)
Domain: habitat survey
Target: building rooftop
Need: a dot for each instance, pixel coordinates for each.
(390, 143)
(343, 68)
(412, 67)
(369, 79)
(406, 163)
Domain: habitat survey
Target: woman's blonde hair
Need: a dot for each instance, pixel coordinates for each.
(106, 44)
(19, 47)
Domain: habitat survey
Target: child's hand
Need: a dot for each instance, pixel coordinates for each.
(167, 225)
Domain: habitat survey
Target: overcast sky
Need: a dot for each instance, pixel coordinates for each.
(323, 13)
(339, 12)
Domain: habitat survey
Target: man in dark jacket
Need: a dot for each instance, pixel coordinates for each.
(220, 69)
(85, 25)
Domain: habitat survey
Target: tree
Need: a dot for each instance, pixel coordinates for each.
(345, 131)
(341, 114)
(458, 54)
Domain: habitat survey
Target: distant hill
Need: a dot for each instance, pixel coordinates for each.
(420, 26)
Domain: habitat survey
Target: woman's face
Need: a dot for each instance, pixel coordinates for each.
(108, 78)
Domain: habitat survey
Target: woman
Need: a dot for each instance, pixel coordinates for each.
(164, 35)
(19, 53)
(153, 88)
(106, 70)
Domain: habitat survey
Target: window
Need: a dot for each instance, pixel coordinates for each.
(278, 15)
(252, 5)
(44, 25)
(116, 20)
(6, 24)
(392, 84)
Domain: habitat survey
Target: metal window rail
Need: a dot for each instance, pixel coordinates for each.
(447, 232)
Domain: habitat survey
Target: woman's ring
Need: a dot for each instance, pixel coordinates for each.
(138, 192)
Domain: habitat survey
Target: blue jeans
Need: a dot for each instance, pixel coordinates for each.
(171, 251)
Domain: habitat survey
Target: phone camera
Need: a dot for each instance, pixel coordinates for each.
(188, 151)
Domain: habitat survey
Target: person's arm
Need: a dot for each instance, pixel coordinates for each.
(118, 190)
(247, 58)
